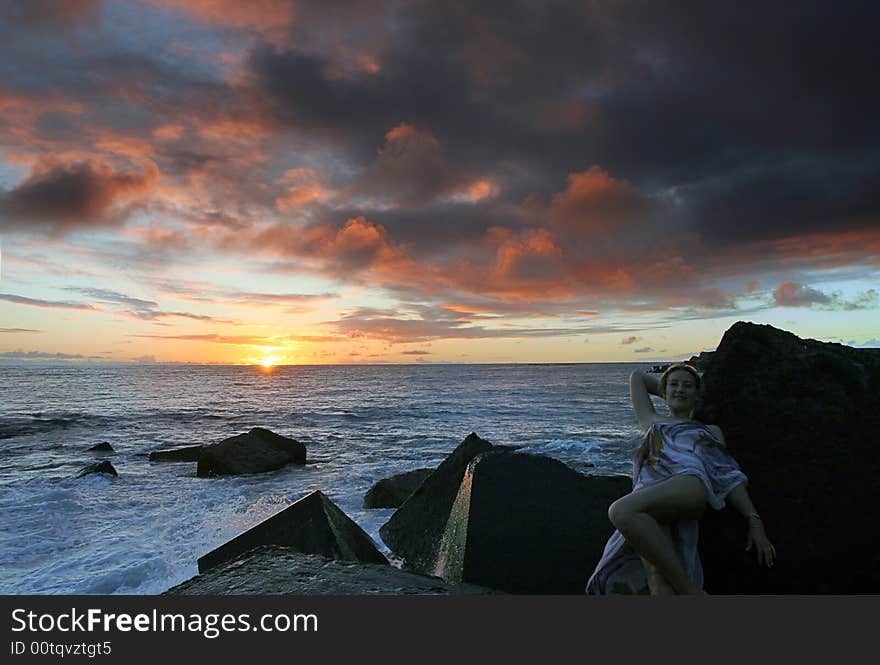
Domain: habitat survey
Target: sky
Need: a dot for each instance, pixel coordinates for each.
(309, 182)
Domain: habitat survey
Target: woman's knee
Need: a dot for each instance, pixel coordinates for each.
(619, 512)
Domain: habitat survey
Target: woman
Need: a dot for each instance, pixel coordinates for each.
(680, 467)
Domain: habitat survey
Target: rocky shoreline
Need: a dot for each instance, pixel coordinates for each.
(797, 415)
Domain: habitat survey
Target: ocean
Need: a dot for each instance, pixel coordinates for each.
(143, 531)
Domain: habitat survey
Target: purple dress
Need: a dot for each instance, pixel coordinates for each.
(669, 449)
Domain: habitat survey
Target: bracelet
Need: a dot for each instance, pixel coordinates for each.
(756, 516)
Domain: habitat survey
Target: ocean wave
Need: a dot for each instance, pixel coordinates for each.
(559, 446)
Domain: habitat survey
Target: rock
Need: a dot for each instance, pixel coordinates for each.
(527, 524)
(283, 570)
(254, 452)
(185, 454)
(414, 530)
(98, 467)
(102, 447)
(314, 525)
(800, 416)
(392, 492)
(701, 362)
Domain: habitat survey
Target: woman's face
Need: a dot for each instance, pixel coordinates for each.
(681, 391)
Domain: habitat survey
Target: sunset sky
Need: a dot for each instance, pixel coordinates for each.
(284, 181)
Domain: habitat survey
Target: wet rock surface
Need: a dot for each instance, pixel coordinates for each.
(392, 492)
(256, 451)
(284, 570)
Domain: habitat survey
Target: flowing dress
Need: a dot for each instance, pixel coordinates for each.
(669, 449)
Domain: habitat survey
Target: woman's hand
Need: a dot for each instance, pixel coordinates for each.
(758, 539)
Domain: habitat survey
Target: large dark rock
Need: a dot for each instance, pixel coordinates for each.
(527, 524)
(801, 417)
(98, 467)
(284, 570)
(256, 451)
(414, 530)
(314, 525)
(392, 492)
(185, 454)
(102, 447)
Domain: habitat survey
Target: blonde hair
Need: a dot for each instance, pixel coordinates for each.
(676, 368)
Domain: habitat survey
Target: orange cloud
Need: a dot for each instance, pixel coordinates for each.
(594, 200)
(259, 15)
(301, 187)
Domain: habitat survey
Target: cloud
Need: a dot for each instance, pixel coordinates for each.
(50, 14)
(19, 330)
(868, 344)
(646, 349)
(238, 340)
(40, 355)
(605, 157)
(794, 294)
(632, 339)
(358, 245)
(48, 304)
(411, 170)
(64, 197)
(425, 323)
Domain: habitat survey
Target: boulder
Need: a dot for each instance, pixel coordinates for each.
(314, 525)
(392, 492)
(414, 530)
(257, 451)
(185, 454)
(527, 524)
(102, 447)
(272, 569)
(800, 417)
(98, 467)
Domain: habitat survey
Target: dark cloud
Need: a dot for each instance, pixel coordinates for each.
(792, 294)
(66, 197)
(523, 157)
(49, 14)
(19, 330)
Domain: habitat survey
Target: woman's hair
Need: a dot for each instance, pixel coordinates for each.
(676, 368)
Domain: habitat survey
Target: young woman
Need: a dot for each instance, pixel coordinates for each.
(681, 466)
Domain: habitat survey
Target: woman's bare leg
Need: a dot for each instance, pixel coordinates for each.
(656, 582)
(640, 517)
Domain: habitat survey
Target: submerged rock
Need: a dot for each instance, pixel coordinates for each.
(800, 416)
(102, 447)
(98, 467)
(283, 570)
(415, 529)
(314, 525)
(527, 524)
(185, 454)
(392, 492)
(257, 451)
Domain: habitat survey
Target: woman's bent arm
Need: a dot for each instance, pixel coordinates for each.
(641, 387)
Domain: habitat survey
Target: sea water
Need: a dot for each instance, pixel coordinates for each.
(143, 531)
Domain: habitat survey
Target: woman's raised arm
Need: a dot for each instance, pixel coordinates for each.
(641, 387)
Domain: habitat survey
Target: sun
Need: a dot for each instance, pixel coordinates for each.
(268, 362)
